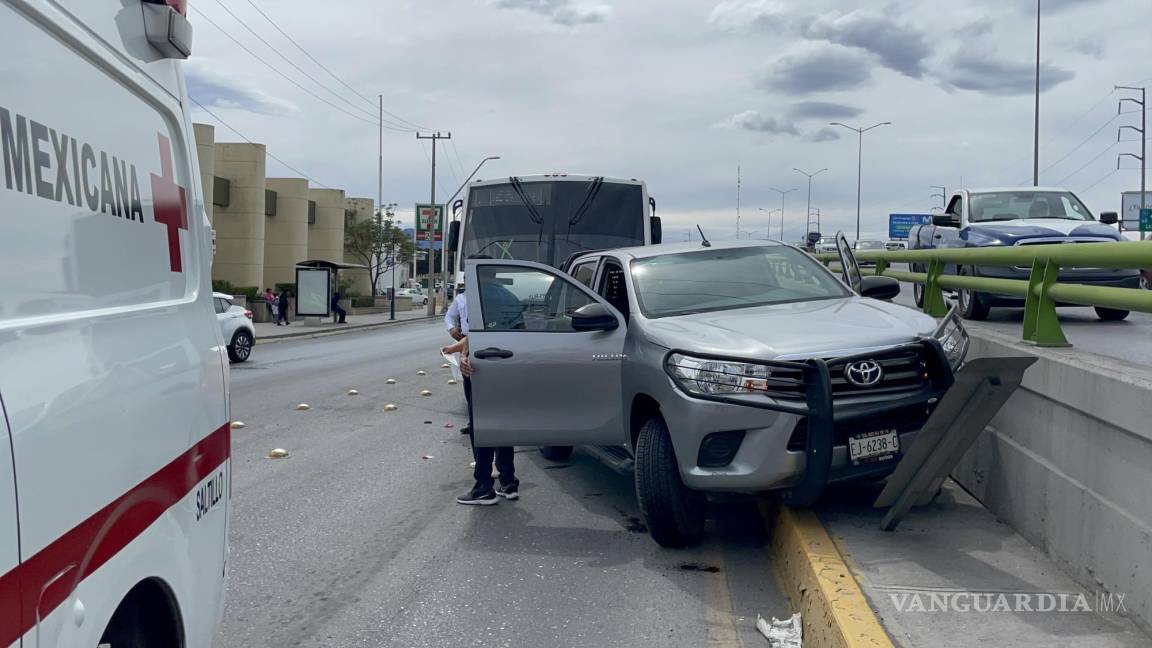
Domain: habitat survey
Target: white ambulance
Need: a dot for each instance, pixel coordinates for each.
(114, 435)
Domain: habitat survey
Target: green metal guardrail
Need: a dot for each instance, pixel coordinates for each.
(1041, 290)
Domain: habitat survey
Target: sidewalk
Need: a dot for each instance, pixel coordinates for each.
(953, 575)
(268, 332)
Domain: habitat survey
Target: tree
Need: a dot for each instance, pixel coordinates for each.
(378, 244)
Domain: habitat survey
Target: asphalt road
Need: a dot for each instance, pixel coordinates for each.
(355, 540)
(1130, 339)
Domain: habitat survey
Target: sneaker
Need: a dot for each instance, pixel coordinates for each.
(472, 498)
(510, 492)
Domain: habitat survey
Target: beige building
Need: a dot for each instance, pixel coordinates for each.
(265, 226)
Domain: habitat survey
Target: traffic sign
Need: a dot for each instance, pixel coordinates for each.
(1146, 220)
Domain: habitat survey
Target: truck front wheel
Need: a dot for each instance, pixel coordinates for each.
(674, 513)
(972, 306)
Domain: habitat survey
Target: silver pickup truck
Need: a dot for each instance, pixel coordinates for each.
(727, 367)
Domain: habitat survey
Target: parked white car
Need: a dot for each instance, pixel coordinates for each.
(417, 295)
(236, 327)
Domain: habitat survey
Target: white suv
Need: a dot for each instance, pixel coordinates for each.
(236, 327)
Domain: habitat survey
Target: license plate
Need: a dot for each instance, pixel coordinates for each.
(880, 445)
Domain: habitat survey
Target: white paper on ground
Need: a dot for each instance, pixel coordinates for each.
(781, 634)
(453, 361)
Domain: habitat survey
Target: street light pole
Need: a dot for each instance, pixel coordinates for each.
(859, 162)
(1036, 127)
(444, 246)
(808, 223)
(782, 194)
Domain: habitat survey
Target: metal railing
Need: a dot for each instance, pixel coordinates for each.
(1041, 291)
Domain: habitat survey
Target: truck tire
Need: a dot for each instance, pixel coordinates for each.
(241, 347)
(673, 512)
(918, 289)
(1111, 314)
(556, 453)
(972, 305)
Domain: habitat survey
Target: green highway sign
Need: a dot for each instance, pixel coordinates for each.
(1146, 220)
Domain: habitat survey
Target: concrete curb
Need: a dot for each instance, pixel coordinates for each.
(354, 328)
(813, 573)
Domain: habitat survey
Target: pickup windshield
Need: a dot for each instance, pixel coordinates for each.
(1015, 205)
(727, 278)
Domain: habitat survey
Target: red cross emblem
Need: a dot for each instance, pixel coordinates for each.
(169, 204)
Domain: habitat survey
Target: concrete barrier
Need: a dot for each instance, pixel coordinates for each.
(1068, 463)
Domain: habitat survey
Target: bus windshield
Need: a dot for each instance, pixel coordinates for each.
(549, 221)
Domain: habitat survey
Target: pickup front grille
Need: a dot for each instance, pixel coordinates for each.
(905, 370)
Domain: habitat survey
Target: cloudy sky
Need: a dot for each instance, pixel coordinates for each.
(681, 92)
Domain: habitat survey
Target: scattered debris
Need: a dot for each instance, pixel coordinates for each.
(390, 381)
(445, 366)
(427, 457)
(427, 422)
(238, 425)
(421, 373)
(426, 392)
(390, 408)
(303, 407)
(472, 465)
(451, 381)
(781, 634)
(278, 453)
(449, 425)
(353, 392)
(698, 567)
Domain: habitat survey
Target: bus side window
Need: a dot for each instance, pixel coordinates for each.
(584, 273)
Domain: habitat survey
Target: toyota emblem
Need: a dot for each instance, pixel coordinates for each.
(865, 373)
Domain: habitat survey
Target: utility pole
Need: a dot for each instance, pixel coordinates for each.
(817, 211)
(808, 225)
(859, 162)
(380, 212)
(782, 194)
(431, 235)
(1143, 157)
(943, 195)
(1036, 127)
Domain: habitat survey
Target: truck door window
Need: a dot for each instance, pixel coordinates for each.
(614, 288)
(954, 207)
(526, 299)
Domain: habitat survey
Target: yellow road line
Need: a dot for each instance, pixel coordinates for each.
(815, 576)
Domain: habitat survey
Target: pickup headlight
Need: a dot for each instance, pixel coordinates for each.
(704, 377)
(953, 338)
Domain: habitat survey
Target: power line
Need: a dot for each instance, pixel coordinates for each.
(1106, 176)
(1087, 164)
(1081, 144)
(330, 72)
(290, 61)
(266, 151)
(293, 81)
(459, 160)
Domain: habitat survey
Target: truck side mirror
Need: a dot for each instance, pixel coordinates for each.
(946, 220)
(1109, 218)
(657, 230)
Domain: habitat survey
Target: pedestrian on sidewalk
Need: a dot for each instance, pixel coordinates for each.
(482, 493)
(282, 307)
(270, 302)
(338, 313)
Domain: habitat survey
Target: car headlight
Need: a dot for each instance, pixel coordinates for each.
(953, 338)
(704, 377)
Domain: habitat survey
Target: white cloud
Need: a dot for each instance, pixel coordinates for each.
(752, 120)
(564, 12)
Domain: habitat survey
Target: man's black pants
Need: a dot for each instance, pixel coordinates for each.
(504, 456)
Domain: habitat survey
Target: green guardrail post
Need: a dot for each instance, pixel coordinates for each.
(933, 297)
(1041, 325)
(881, 266)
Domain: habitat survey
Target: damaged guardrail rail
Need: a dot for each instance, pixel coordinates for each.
(1041, 291)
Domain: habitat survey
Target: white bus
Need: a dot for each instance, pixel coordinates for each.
(549, 218)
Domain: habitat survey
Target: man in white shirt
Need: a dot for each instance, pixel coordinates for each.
(456, 319)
